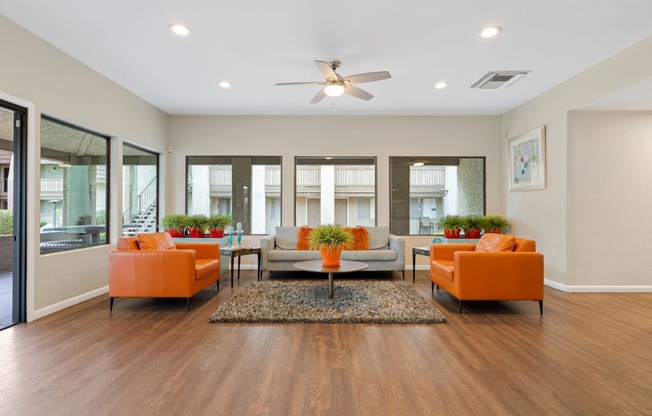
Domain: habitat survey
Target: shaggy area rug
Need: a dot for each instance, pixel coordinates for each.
(355, 301)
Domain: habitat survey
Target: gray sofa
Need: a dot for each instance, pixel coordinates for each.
(386, 251)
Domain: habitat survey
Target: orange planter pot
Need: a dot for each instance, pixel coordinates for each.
(330, 257)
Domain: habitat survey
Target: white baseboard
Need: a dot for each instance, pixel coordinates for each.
(599, 288)
(70, 302)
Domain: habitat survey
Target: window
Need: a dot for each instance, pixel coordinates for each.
(336, 190)
(74, 187)
(246, 187)
(425, 189)
(139, 190)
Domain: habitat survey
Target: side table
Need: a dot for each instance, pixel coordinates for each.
(422, 251)
(238, 252)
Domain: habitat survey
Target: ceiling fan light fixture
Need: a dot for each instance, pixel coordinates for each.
(490, 32)
(179, 29)
(224, 84)
(334, 90)
(441, 85)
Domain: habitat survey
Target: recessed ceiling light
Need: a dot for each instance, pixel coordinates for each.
(490, 32)
(179, 29)
(441, 85)
(224, 84)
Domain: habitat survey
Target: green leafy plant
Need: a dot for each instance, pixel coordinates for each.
(496, 223)
(450, 223)
(198, 221)
(176, 222)
(6, 222)
(474, 222)
(216, 222)
(330, 236)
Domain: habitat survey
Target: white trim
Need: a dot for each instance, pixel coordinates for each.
(40, 313)
(599, 288)
(419, 267)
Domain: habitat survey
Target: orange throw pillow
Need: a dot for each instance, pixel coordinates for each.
(303, 242)
(360, 238)
(493, 243)
(155, 241)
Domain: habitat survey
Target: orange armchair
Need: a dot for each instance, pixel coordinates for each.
(499, 267)
(152, 265)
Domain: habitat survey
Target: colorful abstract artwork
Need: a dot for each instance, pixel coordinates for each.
(527, 158)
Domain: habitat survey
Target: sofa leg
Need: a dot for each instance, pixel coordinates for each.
(432, 287)
(111, 304)
(541, 307)
(403, 271)
(460, 310)
(218, 285)
(437, 287)
(188, 304)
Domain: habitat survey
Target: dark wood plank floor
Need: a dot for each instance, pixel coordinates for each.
(590, 354)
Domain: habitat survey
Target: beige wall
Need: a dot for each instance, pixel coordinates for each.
(544, 214)
(337, 136)
(609, 198)
(36, 75)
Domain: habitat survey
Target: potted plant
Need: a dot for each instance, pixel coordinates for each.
(330, 239)
(175, 224)
(197, 225)
(451, 224)
(473, 226)
(495, 224)
(216, 224)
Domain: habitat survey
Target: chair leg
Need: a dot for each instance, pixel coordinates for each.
(460, 310)
(541, 307)
(111, 304)
(403, 271)
(437, 287)
(432, 287)
(218, 285)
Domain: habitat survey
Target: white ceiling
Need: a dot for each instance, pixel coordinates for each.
(256, 43)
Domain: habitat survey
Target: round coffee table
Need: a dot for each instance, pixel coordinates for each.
(345, 266)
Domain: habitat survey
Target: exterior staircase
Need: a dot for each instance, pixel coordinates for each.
(144, 219)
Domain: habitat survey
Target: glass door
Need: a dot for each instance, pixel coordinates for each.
(12, 214)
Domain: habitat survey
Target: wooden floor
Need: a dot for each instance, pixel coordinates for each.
(590, 354)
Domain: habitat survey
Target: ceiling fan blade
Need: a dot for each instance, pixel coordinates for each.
(326, 70)
(300, 83)
(367, 77)
(358, 93)
(320, 96)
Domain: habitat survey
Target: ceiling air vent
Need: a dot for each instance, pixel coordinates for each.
(499, 79)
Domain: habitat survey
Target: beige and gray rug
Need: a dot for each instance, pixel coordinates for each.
(356, 301)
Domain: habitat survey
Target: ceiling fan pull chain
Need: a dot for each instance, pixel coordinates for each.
(334, 107)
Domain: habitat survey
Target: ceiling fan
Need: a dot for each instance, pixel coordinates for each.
(336, 85)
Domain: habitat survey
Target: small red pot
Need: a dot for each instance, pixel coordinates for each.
(174, 233)
(475, 233)
(196, 233)
(452, 234)
(216, 232)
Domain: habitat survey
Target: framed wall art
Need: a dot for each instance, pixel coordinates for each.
(527, 160)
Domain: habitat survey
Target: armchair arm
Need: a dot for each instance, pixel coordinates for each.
(446, 251)
(499, 276)
(397, 244)
(266, 244)
(203, 250)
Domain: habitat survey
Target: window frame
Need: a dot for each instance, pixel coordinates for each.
(337, 160)
(436, 160)
(222, 159)
(107, 219)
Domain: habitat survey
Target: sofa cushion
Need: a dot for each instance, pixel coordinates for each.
(444, 268)
(155, 241)
(491, 242)
(294, 255)
(303, 239)
(360, 238)
(369, 255)
(286, 237)
(378, 237)
(204, 267)
(127, 243)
